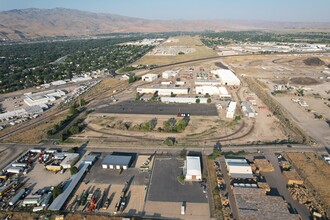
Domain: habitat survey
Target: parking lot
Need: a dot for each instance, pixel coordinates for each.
(111, 176)
(165, 186)
(131, 107)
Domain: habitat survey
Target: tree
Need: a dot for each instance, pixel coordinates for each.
(170, 141)
(209, 100)
(56, 191)
(73, 170)
(73, 110)
(74, 129)
(198, 101)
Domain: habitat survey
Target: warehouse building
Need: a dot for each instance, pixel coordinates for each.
(69, 160)
(238, 168)
(248, 110)
(253, 203)
(44, 97)
(227, 77)
(90, 159)
(182, 100)
(59, 201)
(81, 79)
(163, 91)
(169, 73)
(192, 169)
(149, 77)
(117, 162)
(58, 83)
(208, 83)
(231, 110)
(222, 92)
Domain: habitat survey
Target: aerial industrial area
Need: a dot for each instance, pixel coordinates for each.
(190, 129)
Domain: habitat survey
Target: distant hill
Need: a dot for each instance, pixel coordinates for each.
(32, 23)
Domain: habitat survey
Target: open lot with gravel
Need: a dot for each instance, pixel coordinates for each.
(39, 177)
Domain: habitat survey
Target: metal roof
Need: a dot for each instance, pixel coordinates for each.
(61, 199)
(194, 166)
(241, 175)
(90, 158)
(117, 160)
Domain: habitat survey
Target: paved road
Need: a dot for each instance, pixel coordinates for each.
(276, 180)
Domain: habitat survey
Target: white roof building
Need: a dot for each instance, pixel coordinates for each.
(222, 92)
(81, 79)
(231, 110)
(149, 77)
(188, 100)
(42, 97)
(227, 77)
(239, 168)
(165, 91)
(69, 160)
(169, 73)
(208, 83)
(192, 169)
(58, 83)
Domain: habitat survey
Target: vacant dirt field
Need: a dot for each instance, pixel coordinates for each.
(201, 51)
(316, 174)
(135, 194)
(35, 134)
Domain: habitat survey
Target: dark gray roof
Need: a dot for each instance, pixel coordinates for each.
(117, 160)
(61, 199)
(90, 158)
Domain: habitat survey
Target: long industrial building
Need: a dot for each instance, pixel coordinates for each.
(58, 203)
(222, 92)
(44, 97)
(117, 162)
(231, 110)
(187, 100)
(163, 91)
(227, 77)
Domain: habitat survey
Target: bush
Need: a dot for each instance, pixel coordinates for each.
(209, 100)
(170, 141)
(198, 101)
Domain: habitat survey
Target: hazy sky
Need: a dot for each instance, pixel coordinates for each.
(274, 10)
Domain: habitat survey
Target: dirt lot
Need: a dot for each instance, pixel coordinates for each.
(201, 51)
(135, 194)
(173, 210)
(316, 174)
(39, 177)
(36, 134)
(317, 128)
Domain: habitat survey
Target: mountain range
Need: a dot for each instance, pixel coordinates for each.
(33, 23)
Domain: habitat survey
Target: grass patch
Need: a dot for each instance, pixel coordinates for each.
(235, 154)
